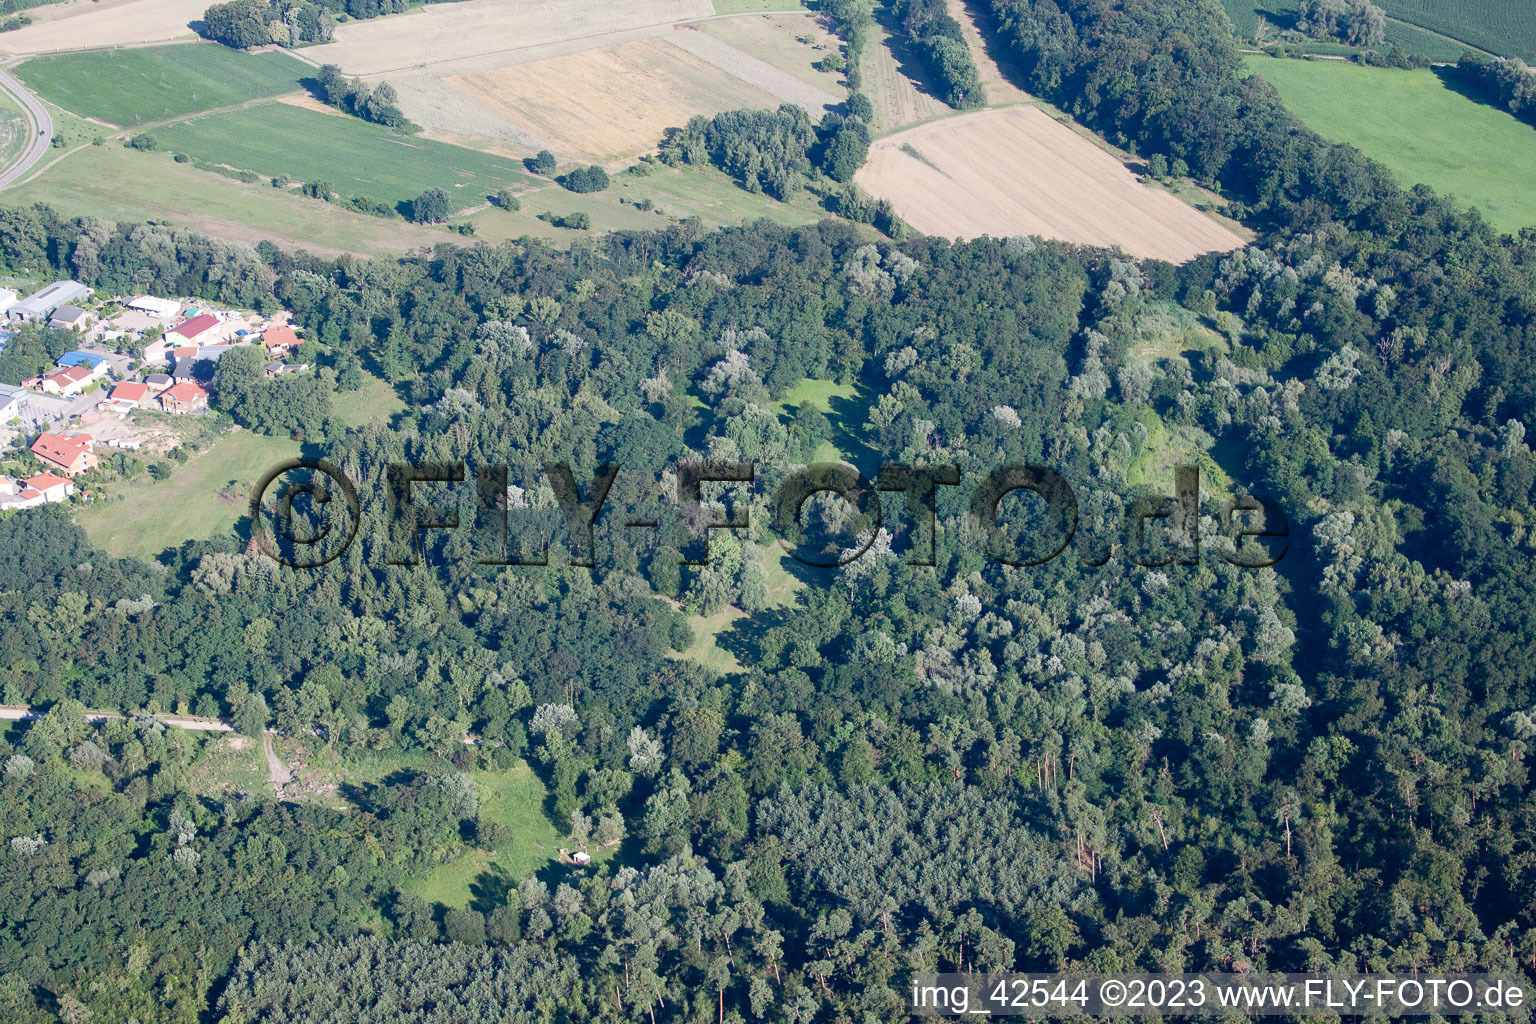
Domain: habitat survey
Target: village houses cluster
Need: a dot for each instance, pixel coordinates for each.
(134, 353)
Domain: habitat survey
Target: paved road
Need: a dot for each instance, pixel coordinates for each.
(41, 123)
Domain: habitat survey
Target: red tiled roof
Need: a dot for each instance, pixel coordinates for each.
(70, 374)
(63, 449)
(280, 336)
(197, 325)
(130, 391)
(186, 391)
(43, 481)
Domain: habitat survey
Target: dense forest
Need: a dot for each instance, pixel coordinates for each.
(1090, 762)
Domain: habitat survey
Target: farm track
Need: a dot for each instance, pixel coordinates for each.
(195, 723)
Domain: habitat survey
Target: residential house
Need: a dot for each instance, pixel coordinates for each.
(184, 398)
(97, 363)
(71, 453)
(70, 318)
(203, 329)
(186, 369)
(158, 382)
(161, 309)
(13, 402)
(65, 380)
(41, 304)
(277, 368)
(48, 486)
(279, 341)
(127, 396)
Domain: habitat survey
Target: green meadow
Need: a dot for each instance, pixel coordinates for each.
(357, 158)
(191, 504)
(136, 86)
(1422, 130)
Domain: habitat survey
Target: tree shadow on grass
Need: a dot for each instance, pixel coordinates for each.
(744, 637)
(490, 888)
(1463, 85)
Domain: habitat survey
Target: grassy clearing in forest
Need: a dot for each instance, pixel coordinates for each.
(515, 799)
(155, 515)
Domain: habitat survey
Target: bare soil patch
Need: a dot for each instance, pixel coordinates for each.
(1018, 171)
(779, 83)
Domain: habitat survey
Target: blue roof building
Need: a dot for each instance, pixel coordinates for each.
(76, 357)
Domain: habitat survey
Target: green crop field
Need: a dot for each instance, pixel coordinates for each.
(1505, 27)
(358, 158)
(1439, 29)
(1422, 130)
(137, 86)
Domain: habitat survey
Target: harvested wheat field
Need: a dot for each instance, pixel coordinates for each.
(1017, 171)
(783, 85)
(81, 24)
(897, 99)
(453, 32)
(777, 39)
(609, 104)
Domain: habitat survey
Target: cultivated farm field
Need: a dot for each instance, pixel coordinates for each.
(898, 99)
(462, 31)
(1439, 29)
(83, 24)
(1017, 171)
(132, 86)
(357, 158)
(608, 103)
(776, 38)
(1420, 128)
(1506, 27)
(119, 184)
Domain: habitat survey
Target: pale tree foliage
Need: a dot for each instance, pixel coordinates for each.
(733, 370)
(549, 718)
(26, 846)
(459, 794)
(645, 754)
(1006, 415)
